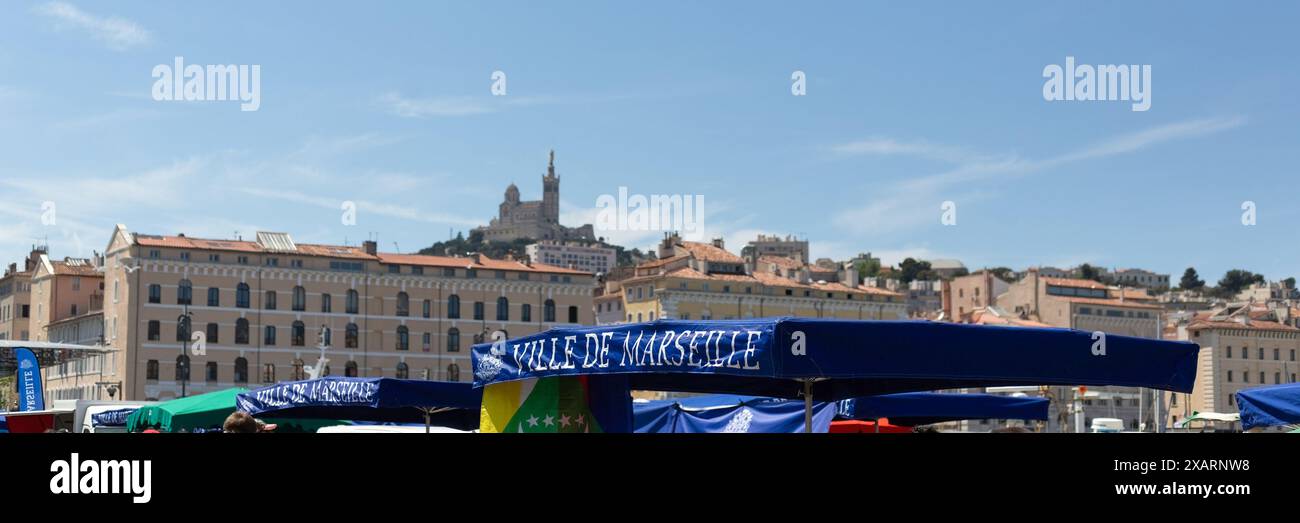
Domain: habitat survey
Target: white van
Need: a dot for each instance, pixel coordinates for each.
(1107, 425)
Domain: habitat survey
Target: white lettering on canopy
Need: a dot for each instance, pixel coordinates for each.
(730, 348)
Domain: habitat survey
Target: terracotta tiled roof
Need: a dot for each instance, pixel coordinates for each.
(982, 316)
(687, 272)
(351, 252)
(1110, 302)
(707, 252)
(1252, 325)
(1074, 282)
(660, 262)
(781, 261)
(75, 267)
(481, 263)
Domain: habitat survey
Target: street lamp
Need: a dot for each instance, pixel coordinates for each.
(183, 364)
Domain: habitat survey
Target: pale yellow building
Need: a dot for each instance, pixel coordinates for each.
(259, 305)
(1242, 346)
(703, 281)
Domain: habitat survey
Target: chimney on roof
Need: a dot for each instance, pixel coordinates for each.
(717, 242)
(370, 246)
(13, 267)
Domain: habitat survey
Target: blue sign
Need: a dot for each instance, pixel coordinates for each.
(748, 415)
(112, 418)
(838, 359)
(368, 399)
(30, 395)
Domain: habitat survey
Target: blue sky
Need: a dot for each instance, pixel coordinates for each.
(908, 105)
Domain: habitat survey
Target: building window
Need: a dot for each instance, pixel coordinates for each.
(1245, 353)
(298, 337)
(403, 371)
(184, 293)
(1277, 378)
(268, 373)
(353, 300)
(453, 307)
(299, 298)
(526, 313)
(453, 340)
(151, 370)
(478, 310)
(299, 370)
(350, 337)
(183, 367)
(1228, 354)
(211, 375)
(403, 304)
(1229, 376)
(403, 338)
(241, 331)
(155, 293)
(573, 314)
(350, 370)
(1261, 377)
(453, 372)
(183, 329)
(242, 296)
(269, 337)
(394, 269)
(548, 311)
(155, 329)
(426, 308)
(213, 331)
(241, 370)
(326, 304)
(503, 309)
(214, 297)
(1277, 354)
(269, 302)
(426, 342)
(1261, 355)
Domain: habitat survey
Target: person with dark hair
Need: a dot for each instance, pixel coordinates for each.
(240, 422)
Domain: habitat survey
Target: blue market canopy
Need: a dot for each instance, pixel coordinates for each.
(924, 408)
(726, 413)
(837, 359)
(1269, 406)
(112, 418)
(368, 399)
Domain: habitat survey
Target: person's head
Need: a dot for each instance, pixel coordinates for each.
(240, 422)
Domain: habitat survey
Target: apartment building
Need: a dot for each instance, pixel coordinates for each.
(255, 301)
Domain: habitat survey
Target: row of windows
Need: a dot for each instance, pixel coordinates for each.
(1057, 290)
(184, 296)
(1113, 313)
(298, 335)
(726, 289)
(1245, 353)
(297, 372)
(1245, 377)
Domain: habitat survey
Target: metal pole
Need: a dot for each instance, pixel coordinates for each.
(426, 421)
(807, 406)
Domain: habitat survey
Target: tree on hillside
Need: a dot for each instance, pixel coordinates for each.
(1236, 280)
(1088, 272)
(1191, 281)
(912, 269)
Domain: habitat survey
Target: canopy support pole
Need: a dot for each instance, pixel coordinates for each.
(807, 406)
(426, 420)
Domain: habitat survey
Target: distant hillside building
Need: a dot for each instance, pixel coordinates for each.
(574, 255)
(538, 220)
(773, 245)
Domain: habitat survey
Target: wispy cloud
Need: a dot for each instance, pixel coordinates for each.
(890, 147)
(916, 201)
(453, 106)
(118, 33)
(363, 206)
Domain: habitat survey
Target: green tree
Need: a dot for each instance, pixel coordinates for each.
(1089, 272)
(913, 269)
(868, 268)
(1235, 280)
(1191, 281)
(1290, 282)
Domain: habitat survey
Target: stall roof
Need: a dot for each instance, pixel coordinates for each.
(837, 359)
